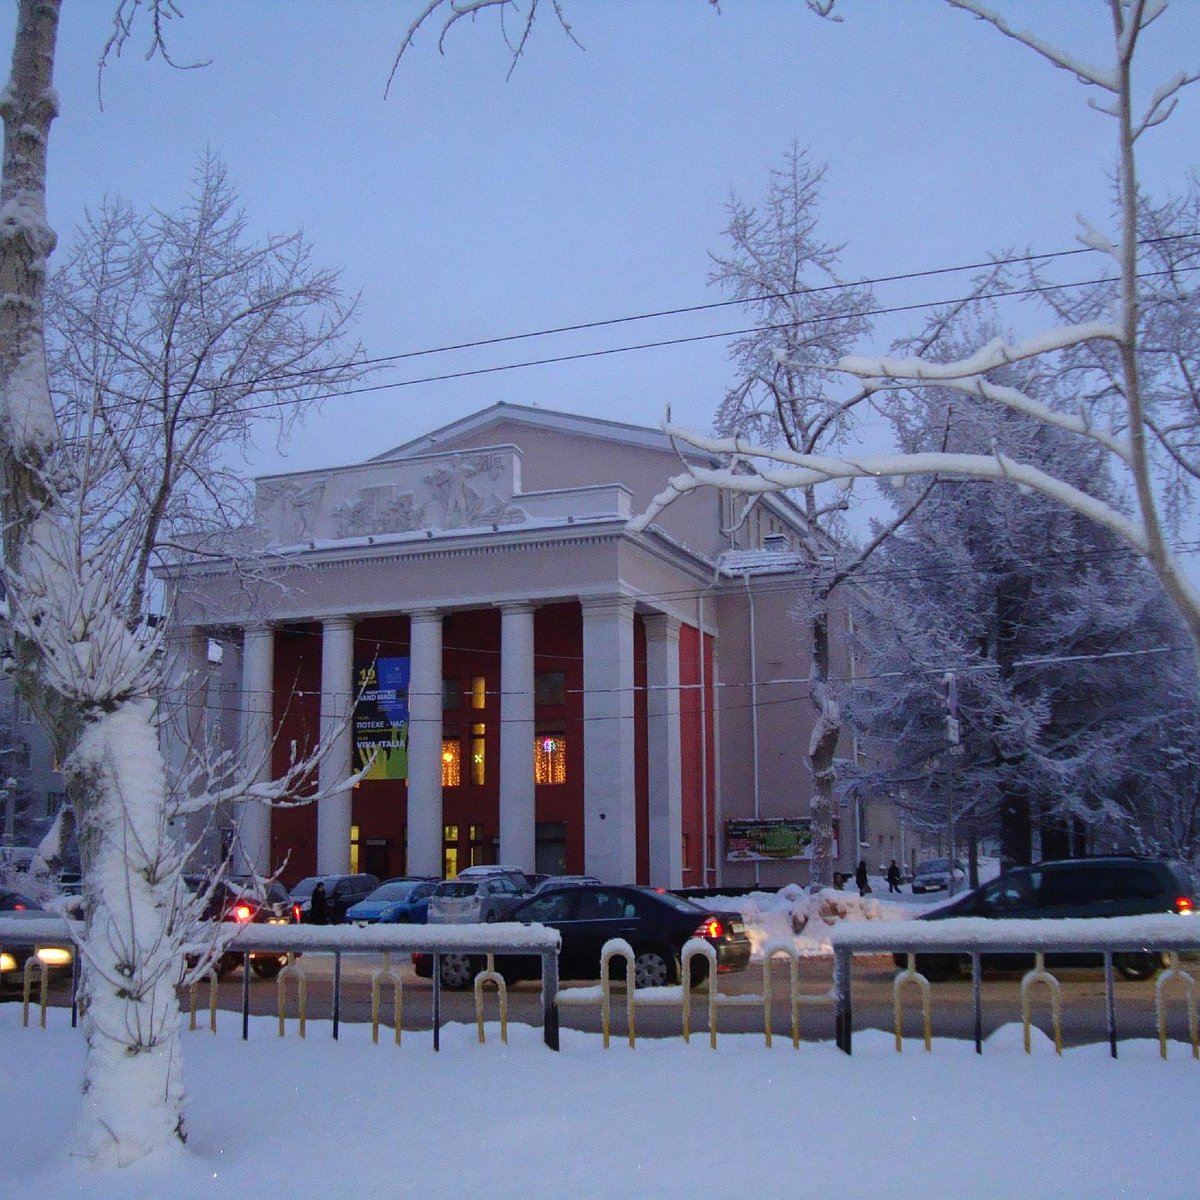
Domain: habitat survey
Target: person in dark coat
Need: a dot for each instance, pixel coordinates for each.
(318, 908)
(860, 877)
(893, 876)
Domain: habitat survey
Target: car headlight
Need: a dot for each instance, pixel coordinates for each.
(7, 962)
(54, 956)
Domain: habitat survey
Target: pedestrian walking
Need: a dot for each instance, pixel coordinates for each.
(318, 909)
(893, 876)
(860, 877)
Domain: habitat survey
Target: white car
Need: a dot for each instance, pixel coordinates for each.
(474, 897)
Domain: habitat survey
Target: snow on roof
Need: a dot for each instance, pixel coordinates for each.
(759, 561)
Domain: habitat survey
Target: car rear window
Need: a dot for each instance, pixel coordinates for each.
(469, 888)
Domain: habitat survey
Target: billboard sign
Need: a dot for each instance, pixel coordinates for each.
(772, 839)
(381, 718)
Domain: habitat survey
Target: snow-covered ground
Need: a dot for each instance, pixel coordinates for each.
(294, 1120)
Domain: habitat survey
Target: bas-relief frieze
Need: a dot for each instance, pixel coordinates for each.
(453, 492)
(289, 510)
(378, 510)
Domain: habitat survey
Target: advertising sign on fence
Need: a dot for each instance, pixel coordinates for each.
(381, 718)
(773, 839)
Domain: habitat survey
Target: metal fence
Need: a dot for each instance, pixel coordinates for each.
(969, 938)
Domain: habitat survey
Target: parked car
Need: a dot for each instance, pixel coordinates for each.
(341, 892)
(933, 875)
(13, 958)
(1082, 887)
(399, 901)
(485, 896)
(656, 924)
(246, 901)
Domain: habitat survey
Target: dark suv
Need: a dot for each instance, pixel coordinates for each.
(1080, 887)
(341, 892)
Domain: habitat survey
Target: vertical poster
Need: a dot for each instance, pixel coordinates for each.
(381, 718)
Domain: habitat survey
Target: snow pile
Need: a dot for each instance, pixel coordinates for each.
(805, 917)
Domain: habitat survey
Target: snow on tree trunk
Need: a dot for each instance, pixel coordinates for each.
(133, 1082)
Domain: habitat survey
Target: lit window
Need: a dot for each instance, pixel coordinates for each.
(451, 762)
(478, 691)
(449, 851)
(478, 755)
(550, 758)
(354, 849)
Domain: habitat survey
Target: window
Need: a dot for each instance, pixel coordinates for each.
(354, 849)
(478, 755)
(550, 687)
(478, 691)
(449, 851)
(475, 836)
(555, 907)
(451, 694)
(549, 758)
(451, 762)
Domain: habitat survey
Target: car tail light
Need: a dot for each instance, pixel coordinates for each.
(243, 913)
(1183, 904)
(18, 908)
(710, 928)
(296, 913)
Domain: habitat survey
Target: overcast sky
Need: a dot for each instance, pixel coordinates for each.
(591, 183)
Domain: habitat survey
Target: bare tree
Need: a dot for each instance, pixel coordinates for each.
(171, 331)
(1142, 523)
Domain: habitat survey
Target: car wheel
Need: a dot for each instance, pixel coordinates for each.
(227, 964)
(652, 968)
(266, 968)
(457, 972)
(1137, 967)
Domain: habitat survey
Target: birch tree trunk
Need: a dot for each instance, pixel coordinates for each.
(89, 676)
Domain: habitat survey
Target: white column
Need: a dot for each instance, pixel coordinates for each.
(337, 738)
(257, 738)
(609, 813)
(517, 837)
(425, 744)
(663, 751)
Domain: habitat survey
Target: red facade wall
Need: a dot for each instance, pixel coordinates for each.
(697, 756)
(470, 648)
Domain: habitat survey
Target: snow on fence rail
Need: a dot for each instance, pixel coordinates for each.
(1165, 935)
(973, 937)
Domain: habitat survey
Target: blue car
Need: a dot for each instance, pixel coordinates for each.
(399, 901)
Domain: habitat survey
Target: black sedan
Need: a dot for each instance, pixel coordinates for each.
(13, 958)
(654, 923)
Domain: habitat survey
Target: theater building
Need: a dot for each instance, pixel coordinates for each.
(467, 620)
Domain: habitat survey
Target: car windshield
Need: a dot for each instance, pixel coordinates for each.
(934, 864)
(394, 891)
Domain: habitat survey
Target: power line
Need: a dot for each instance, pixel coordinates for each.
(679, 311)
